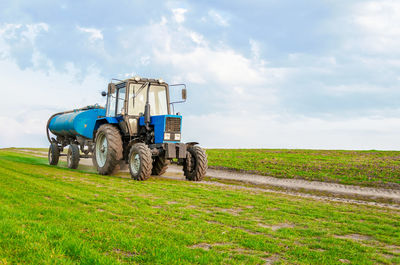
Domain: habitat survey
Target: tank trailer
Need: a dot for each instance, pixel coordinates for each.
(136, 128)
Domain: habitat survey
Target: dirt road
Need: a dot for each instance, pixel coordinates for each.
(304, 188)
(298, 184)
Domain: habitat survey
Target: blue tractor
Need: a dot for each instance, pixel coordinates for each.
(136, 128)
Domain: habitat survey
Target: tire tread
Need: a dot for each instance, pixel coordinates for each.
(146, 163)
(201, 164)
(73, 151)
(55, 154)
(160, 166)
(114, 152)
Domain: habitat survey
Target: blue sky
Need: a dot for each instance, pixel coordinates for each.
(271, 74)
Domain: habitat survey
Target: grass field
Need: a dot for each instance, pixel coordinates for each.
(54, 215)
(367, 168)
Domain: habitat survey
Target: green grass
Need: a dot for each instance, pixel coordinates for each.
(53, 215)
(366, 168)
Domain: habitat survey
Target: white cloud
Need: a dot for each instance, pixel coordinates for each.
(33, 30)
(255, 48)
(187, 54)
(379, 17)
(272, 130)
(21, 32)
(37, 95)
(164, 21)
(178, 15)
(32, 94)
(339, 90)
(8, 30)
(223, 65)
(218, 18)
(378, 22)
(197, 38)
(229, 72)
(94, 34)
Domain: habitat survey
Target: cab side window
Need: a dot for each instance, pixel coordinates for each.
(121, 101)
(111, 104)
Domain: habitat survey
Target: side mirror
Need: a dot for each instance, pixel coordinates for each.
(184, 95)
(103, 93)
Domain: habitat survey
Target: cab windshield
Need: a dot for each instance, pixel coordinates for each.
(157, 99)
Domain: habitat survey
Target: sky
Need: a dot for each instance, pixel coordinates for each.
(260, 74)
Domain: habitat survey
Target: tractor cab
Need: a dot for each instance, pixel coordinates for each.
(139, 103)
(129, 97)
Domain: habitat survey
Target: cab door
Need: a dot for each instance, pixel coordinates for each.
(121, 108)
(136, 100)
(111, 100)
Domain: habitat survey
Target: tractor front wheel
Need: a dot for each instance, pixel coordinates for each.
(73, 156)
(160, 166)
(140, 161)
(107, 149)
(195, 164)
(54, 154)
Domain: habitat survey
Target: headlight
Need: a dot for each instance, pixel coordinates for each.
(177, 136)
(137, 78)
(160, 81)
(167, 136)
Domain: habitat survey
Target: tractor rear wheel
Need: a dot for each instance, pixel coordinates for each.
(195, 164)
(140, 161)
(54, 154)
(160, 165)
(73, 156)
(107, 149)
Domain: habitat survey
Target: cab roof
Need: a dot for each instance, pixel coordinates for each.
(142, 79)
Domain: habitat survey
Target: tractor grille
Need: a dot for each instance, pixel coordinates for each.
(173, 124)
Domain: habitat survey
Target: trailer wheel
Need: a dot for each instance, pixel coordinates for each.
(195, 164)
(107, 149)
(73, 156)
(140, 161)
(160, 165)
(54, 154)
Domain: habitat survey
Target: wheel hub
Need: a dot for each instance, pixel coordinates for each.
(135, 163)
(101, 150)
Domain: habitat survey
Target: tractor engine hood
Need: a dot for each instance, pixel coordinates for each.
(167, 128)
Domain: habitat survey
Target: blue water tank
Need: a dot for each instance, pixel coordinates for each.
(79, 122)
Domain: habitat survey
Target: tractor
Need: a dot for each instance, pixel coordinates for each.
(136, 128)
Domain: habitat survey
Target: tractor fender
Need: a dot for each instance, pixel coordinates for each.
(104, 120)
(189, 144)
